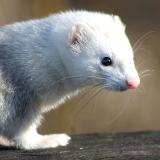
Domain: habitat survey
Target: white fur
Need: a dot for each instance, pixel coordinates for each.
(44, 62)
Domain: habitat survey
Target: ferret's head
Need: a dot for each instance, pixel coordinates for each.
(102, 52)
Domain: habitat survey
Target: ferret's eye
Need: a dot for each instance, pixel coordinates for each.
(106, 61)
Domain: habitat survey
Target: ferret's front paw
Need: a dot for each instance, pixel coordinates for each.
(37, 141)
(55, 140)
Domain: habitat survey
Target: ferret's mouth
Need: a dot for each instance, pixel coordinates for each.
(117, 88)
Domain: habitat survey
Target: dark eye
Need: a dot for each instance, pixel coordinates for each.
(106, 61)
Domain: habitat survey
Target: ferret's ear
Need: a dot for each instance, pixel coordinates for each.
(79, 34)
(119, 21)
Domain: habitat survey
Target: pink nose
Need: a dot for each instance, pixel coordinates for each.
(132, 84)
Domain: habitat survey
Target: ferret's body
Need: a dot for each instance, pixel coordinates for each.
(43, 62)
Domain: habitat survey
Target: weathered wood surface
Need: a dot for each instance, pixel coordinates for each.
(113, 146)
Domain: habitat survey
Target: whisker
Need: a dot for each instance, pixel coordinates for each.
(142, 50)
(141, 89)
(142, 38)
(118, 114)
(145, 75)
(86, 92)
(72, 77)
(145, 72)
(94, 107)
(90, 98)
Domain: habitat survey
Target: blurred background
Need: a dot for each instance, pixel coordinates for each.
(108, 111)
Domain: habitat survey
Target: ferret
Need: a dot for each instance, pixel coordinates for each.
(44, 62)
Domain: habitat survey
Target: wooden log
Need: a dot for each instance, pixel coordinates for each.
(110, 146)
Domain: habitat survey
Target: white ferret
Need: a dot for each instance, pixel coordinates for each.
(45, 61)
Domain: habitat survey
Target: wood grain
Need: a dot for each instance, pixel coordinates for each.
(111, 146)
